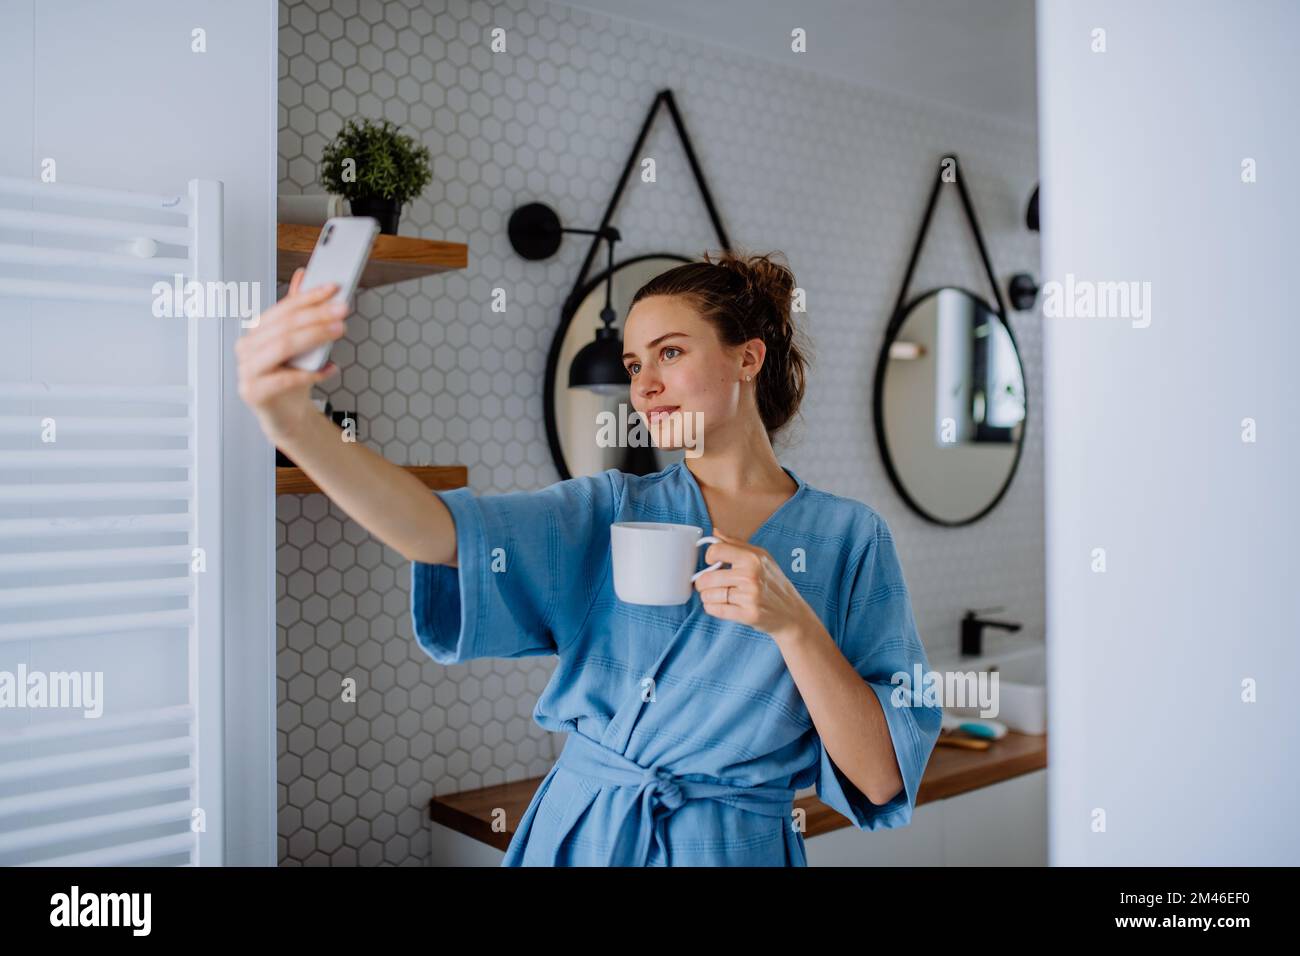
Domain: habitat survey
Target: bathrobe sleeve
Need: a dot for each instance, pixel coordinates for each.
(880, 640)
(529, 566)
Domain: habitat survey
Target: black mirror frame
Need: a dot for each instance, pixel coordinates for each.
(572, 304)
(891, 332)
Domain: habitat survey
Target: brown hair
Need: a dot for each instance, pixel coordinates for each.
(747, 297)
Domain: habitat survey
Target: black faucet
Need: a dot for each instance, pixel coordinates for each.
(972, 630)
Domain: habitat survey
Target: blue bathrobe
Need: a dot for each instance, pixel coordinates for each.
(687, 737)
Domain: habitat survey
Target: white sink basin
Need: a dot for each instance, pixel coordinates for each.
(1021, 698)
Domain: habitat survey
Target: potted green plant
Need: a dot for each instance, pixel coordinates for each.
(376, 168)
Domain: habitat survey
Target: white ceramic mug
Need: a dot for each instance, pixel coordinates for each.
(654, 561)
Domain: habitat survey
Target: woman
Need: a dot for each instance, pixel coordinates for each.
(690, 727)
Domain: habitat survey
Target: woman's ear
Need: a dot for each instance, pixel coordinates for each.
(751, 360)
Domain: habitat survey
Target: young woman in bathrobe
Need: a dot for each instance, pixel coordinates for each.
(689, 727)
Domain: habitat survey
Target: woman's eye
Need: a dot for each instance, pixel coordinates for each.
(633, 366)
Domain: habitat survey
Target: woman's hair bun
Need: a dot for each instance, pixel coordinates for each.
(764, 277)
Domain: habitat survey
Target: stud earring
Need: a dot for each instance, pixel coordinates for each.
(748, 377)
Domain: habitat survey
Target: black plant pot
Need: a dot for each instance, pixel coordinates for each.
(387, 211)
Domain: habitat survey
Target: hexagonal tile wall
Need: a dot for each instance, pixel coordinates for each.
(834, 175)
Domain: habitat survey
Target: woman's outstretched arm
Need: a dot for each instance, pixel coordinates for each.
(387, 501)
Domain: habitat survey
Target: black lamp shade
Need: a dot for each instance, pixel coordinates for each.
(598, 366)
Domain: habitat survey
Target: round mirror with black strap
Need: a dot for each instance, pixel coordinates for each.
(590, 423)
(950, 403)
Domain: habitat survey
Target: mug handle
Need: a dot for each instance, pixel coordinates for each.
(707, 539)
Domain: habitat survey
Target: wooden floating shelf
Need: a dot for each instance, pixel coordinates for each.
(392, 259)
(293, 481)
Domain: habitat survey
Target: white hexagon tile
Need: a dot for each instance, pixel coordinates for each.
(834, 175)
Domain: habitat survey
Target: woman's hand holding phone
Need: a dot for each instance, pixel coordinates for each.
(277, 393)
(386, 500)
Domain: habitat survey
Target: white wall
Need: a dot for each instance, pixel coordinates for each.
(112, 92)
(1140, 151)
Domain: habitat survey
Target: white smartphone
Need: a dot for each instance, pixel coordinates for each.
(339, 257)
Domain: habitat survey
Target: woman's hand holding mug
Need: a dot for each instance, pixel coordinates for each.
(753, 591)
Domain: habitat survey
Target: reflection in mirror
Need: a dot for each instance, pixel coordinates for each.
(576, 416)
(951, 406)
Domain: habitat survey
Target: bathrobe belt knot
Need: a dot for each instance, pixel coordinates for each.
(659, 792)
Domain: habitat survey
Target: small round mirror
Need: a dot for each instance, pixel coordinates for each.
(950, 406)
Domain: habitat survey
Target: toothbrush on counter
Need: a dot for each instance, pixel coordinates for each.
(974, 726)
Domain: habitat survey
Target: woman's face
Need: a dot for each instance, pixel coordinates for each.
(676, 363)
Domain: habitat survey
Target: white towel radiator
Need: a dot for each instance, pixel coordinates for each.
(110, 534)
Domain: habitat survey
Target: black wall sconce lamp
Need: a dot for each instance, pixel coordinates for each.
(535, 233)
(1022, 289)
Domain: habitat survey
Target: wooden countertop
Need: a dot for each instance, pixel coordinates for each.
(951, 771)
